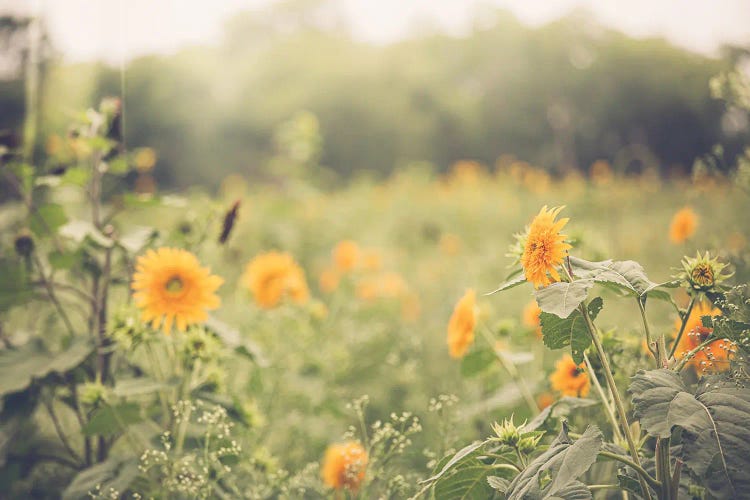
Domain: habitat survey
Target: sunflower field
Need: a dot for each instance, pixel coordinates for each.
(493, 331)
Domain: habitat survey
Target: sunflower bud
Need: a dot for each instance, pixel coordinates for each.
(529, 441)
(702, 273)
(24, 243)
(93, 393)
(507, 433)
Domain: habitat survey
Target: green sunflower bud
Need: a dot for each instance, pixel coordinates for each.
(703, 273)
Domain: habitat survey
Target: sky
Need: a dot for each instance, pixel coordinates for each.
(119, 30)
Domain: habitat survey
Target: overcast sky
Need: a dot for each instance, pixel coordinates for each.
(116, 29)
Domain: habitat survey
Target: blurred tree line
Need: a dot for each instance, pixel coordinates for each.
(560, 96)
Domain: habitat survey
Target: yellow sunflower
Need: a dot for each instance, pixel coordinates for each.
(170, 287)
(461, 325)
(273, 276)
(344, 465)
(545, 248)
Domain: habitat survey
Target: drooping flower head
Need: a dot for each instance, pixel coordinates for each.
(274, 276)
(461, 325)
(545, 247)
(170, 287)
(712, 358)
(683, 225)
(344, 466)
(570, 379)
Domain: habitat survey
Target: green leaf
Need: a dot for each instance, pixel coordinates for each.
(562, 298)
(627, 275)
(79, 230)
(514, 282)
(476, 362)
(498, 483)
(456, 458)
(117, 473)
(571, 331)
(137, 238)
(235, 340)
(109, 420)
(555, 473)
(62, 260)
(47, 219)
(20, 367)
(715, 434)
(467, 483)
(140, 386)
(14, 283)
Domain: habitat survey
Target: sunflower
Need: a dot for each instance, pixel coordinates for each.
(170, 286)
(569, 378)
(531, 319)
(328, 281)
(683, 225)
(461, 325)
(274, 276)
(344, 465)
(545, 247)
(715, 356)
(346, 256)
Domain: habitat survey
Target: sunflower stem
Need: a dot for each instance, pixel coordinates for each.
(690, 354)
(604, 398)
(682, 326)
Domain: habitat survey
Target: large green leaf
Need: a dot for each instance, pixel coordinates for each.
(715, 437)
(562, 298)
(559, 333)
(20, 367)
(627, 275)
(460, 455)
(467, 483)
(109, 420)
(117, 473)
(476, 362)
(555, 473)
(560, 408)
(47, 219)
(511, 283)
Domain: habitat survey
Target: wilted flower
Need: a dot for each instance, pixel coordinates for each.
(344, 466)
(569, 378)
(461, 325)
(170, 287)
(545, 247)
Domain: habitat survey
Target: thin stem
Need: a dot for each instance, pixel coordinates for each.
(103, 353)
(647, 330)
(510, 367)
(60, 432)
(52, 296)
(682, 326)
(636, 467)
(663, 467)
(68, 288)
(595, 487)
(604, 398)
(81, 421)
(690, 354)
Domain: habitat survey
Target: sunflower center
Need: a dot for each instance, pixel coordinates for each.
(174, 284)
(703, 275)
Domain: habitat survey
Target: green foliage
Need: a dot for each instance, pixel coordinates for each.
(715, 436)
(555, 473)
(570, 331)
(562, 298)
(112, 476)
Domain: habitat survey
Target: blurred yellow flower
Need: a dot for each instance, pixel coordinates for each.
(570, 379)
(545, 247)
(600, 173)
(367, 289)
(461, 325)
(450, 244)
(715, 356)
(344, 466)
(544, 400)
(530, 317)
(274, 276)
(683, 225)
(391, 285)
(170, 287)
(346, 255)
(411, 308)
(372, 260)
(328, 281)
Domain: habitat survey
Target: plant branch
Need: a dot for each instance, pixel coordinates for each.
(53, 296)
(604, 398)
(682, 326)
(60, 432)
(647, 330)
(643, 474)
(690, 354)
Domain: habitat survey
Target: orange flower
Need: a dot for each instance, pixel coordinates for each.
(531, 317)
(461, 325)
(683, 225)
(329, 280)
(544, 400)
(171, 287)
(391, 285)
(273, 276)
(715, 356)
(545, 247)
(346, 256)
(344, 465)
(372, 260)
(569, 378)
